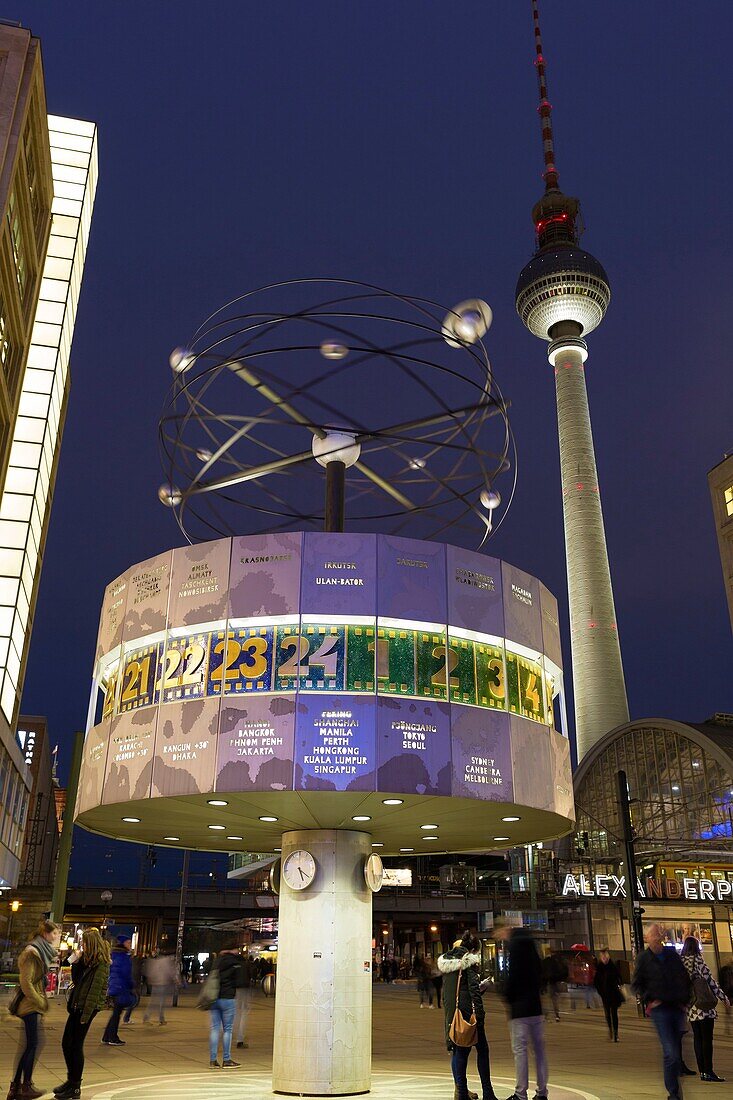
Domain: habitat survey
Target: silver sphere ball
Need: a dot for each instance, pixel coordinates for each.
(169, 495)
(331, 350)
(181, 359)
(417, 463)
(203, 455)
(490, 499)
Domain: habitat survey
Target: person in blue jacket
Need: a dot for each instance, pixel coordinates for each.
(121, 989)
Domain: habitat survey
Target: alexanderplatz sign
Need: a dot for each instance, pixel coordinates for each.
(614, 886)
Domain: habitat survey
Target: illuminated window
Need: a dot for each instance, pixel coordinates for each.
(728, 497)
(17, 244)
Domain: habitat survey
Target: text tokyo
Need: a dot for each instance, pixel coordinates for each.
(614, 886)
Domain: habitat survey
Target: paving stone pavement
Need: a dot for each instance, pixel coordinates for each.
(409, 1056)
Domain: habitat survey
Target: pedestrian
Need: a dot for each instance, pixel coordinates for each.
(607, 981)
(120, 989)
(701, 1012)
(34, 963)
(90, 975)
(424, 984)
(162, 974)
(461, 981)
(195, 969)
(554, 973)
(243, 994)
(522, 991)
(137, 981)
(226, 967)
(726, 984)
(437, 979)
(662, 983)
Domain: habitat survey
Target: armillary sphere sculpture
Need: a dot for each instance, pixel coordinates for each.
(335, 697)
(393, 395)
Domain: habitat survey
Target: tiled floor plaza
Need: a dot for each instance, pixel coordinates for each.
(410, 1061)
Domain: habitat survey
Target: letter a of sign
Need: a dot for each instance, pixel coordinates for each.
(570, 886)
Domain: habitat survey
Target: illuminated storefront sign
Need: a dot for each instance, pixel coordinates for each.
(614, 886)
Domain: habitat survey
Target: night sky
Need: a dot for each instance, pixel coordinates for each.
(398, 143)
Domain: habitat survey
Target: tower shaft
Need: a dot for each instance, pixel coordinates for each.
(598, 675)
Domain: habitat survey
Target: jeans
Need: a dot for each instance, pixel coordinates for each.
(702, 1036)
(131, 1008)
(425, 989)
(28, 1057)
(669, 1022)
(523, 1031)
(72, 1044)
(242, 1012)
(112, 1030)
(438, 987)
(459, 1065)
(222, 1017)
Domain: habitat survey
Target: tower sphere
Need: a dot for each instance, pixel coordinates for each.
(562, 284)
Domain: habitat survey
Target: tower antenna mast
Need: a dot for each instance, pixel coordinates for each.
(550, 175)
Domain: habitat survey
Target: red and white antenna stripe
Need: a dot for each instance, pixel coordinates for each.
(545, 107)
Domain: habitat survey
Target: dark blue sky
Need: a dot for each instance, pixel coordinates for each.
(399, 144)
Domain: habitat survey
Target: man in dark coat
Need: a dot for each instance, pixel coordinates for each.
(607, 981)
(523, 993)
(663, 984)
(462, 962)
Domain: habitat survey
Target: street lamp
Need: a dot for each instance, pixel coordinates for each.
(14, 907)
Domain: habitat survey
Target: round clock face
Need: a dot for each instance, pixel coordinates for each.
(374, 872)
(299, 870)
(275, 877)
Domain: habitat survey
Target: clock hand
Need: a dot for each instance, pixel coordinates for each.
(300, 872)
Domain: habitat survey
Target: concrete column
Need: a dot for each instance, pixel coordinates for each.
(598, 675)
(323, 1004)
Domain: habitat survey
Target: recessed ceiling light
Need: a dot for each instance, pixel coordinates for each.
(268, 819)
(217, 802)
(675, 787)
(132, 820)
(361, 817)
(171, 838)
(377, 844)
(429, 838)
(392, 801)
(501, 838)
(217, 827)
(277, 849)
(511, 819)
(235, 838)
(407, 849)
(428, 827)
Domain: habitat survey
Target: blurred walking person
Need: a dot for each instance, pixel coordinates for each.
(461, 982)
(162, 975)
(120, 990)
(424, 983)
(243, 995)
(522, 991)
(90, 975)
(34, 963)
(701, 1012)
(662, 983)
(607, 981)
(554, 973)
(726, 984)
(226, 967)
(137, 984)
(437, 979)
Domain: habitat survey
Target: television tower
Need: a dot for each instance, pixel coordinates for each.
(562, 295)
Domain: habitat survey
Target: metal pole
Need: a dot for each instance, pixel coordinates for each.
(58, 901)
(632, 894)
(181, 921)
(335, 477)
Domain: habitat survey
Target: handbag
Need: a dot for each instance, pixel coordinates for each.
(703, 997)
(462, 1032)
(14, 1002)
(209, 991)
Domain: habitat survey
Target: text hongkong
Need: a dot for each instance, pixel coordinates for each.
(614, 886)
